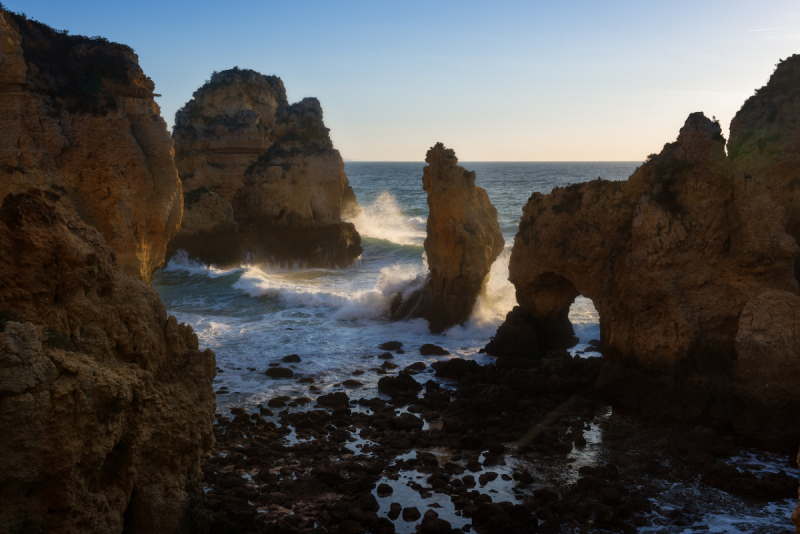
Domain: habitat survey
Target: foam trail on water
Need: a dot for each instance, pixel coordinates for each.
(383, 219)
(181, 262)
(585, 319)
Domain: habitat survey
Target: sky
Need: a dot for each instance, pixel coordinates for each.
(496, 81)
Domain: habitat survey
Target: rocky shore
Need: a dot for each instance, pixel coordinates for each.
(512, 446)
(262, 181)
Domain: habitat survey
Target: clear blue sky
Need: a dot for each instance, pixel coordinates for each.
(496, 81)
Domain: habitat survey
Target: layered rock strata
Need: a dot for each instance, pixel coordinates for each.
(692, 273)
(261, 177)
(462, 242)
(106, 403)
(78, 118)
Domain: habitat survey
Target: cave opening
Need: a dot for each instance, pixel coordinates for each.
(586, 322)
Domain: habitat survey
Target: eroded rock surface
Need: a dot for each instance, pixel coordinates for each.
(765, 140)
(106, 403)
(691, 271)
(463, 241)
(261, 177)
(78, 119)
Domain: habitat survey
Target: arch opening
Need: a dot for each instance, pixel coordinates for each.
(586, 323)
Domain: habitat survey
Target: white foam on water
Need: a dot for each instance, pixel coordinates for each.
(497, 298)
(181, 262)
(585, 319)
(383, 219)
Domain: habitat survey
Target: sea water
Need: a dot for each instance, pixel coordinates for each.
(334, 319)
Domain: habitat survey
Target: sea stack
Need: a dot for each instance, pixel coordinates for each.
(261, 179)
(463, 241)
(692, 273)
(106, 403)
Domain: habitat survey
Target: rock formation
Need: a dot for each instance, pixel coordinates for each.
(765, 140)
(691, 271)
(106, 403)
(78, 118)
(261, 177)
(463, 241)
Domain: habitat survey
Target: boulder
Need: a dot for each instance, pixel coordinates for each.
(261, 178)
(462, 242)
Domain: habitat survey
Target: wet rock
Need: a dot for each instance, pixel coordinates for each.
(384, 490)
(416, 366)
(386, 356)
(609, 496)
(394, 511)
(402, 384)
(292, 358)
(455, 367)
(411, 514)
(306, 380)
(429, 349)
(352, 383)
(279, 372)
(487, 477)
(333, 400)
(432, 524)
(390, 345)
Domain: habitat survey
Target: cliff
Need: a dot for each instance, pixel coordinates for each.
(765, 140)
(692, 273)
(78, 118)
(462, 242)
(106, 403)
(261, 177)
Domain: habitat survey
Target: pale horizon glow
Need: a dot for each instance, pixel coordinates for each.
(512, 81)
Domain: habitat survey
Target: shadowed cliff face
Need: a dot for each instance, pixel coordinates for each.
(78, 119)
(682, 262)
(765, 140)
(463, 241)
(261, 177)
(106, 403)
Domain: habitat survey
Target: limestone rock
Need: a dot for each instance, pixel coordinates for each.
(79, 120)
(280, 187)
(106, 403)
(681, 261)
(765, 140)
(462, 242)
